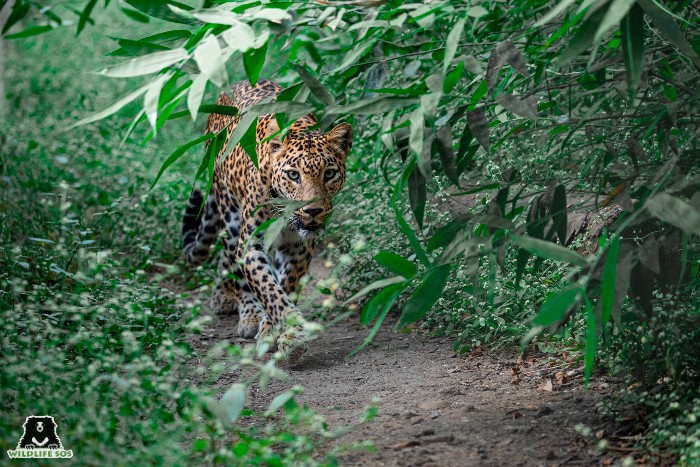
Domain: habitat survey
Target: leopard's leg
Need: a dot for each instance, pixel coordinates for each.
(280, 313)
(291, 264)
(231, 293)
(199, 227)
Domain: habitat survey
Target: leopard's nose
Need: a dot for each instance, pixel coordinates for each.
(313, 212)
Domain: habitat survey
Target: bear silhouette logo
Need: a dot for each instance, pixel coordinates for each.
(40, 440)
(39, 433)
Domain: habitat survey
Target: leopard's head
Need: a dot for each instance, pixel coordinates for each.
(309, 166)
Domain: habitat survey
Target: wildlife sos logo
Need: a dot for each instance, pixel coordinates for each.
(40, 440)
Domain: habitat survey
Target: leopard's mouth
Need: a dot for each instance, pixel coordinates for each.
(306, 229)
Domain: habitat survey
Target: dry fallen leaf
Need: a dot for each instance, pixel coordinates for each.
(404, 445)
(560, 377)
(547, 386)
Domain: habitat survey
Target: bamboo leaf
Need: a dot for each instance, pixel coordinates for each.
(253, 61)
(607, 293)
(555, 307)
(380, 302)
(194, 98)
(523, 107)
(208, 56)
(613, 16)
(396, 264)
(380, 284)
(632, 39)
(426, 294)
(146, 64)
(452, 43)
(479, 126)
(179, 152)
(159, 9)
(112, 108)
(315, 86)
(675, 211)
(591, 342)
(663, 20)
(549, 250)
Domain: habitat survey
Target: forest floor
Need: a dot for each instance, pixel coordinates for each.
(436, 407)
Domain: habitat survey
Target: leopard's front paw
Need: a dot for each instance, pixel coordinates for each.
(248, 325)
(293, 343)
(222, 305)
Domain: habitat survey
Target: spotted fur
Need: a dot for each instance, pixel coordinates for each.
(308, 165)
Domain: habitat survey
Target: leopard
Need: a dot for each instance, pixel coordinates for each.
(306, 165)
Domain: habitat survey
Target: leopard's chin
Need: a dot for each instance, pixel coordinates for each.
(306, 230)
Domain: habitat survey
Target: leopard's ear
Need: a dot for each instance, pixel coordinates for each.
(267, 126)
(340, 138)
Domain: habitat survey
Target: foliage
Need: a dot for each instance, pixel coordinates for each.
(98, 311)
(531, 111)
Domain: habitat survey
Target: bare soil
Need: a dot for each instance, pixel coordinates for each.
(436, 407)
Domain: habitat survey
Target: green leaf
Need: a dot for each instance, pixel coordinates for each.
(417, 194)
(232, 401)
(396, 264)
(632, 39)
(443, 141)
(452, 43)
(385, 307)
(146, 64)
(554, 12)
(135, 15)
(406, 229)
(380, 302)
(609, 280)
(452, 78)
(249, 143)
(377, 105)
(520, 265)
(559, 214)
(281, 399)
(380, 284)
(218, 109)
(315, 86)
(616, 11)
(112, 108)
(253, 61)
(210, 60)
(556, 305)
(85, 15)
(178, 153)
(663, 20)
(194, 98)
(591, 342)
(159, 9)
(675, 211)
(30, 31)
(425, 295)
(582, 39)
(240, 37)
(150, 104)
(216, 16)
(445, 234)
(549, 250)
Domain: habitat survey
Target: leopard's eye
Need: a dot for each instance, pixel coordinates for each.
(329, 174)
(293, 175)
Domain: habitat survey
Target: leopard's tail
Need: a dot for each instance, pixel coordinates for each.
(199, 227)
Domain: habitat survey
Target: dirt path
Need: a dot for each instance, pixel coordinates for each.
(437, 408)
